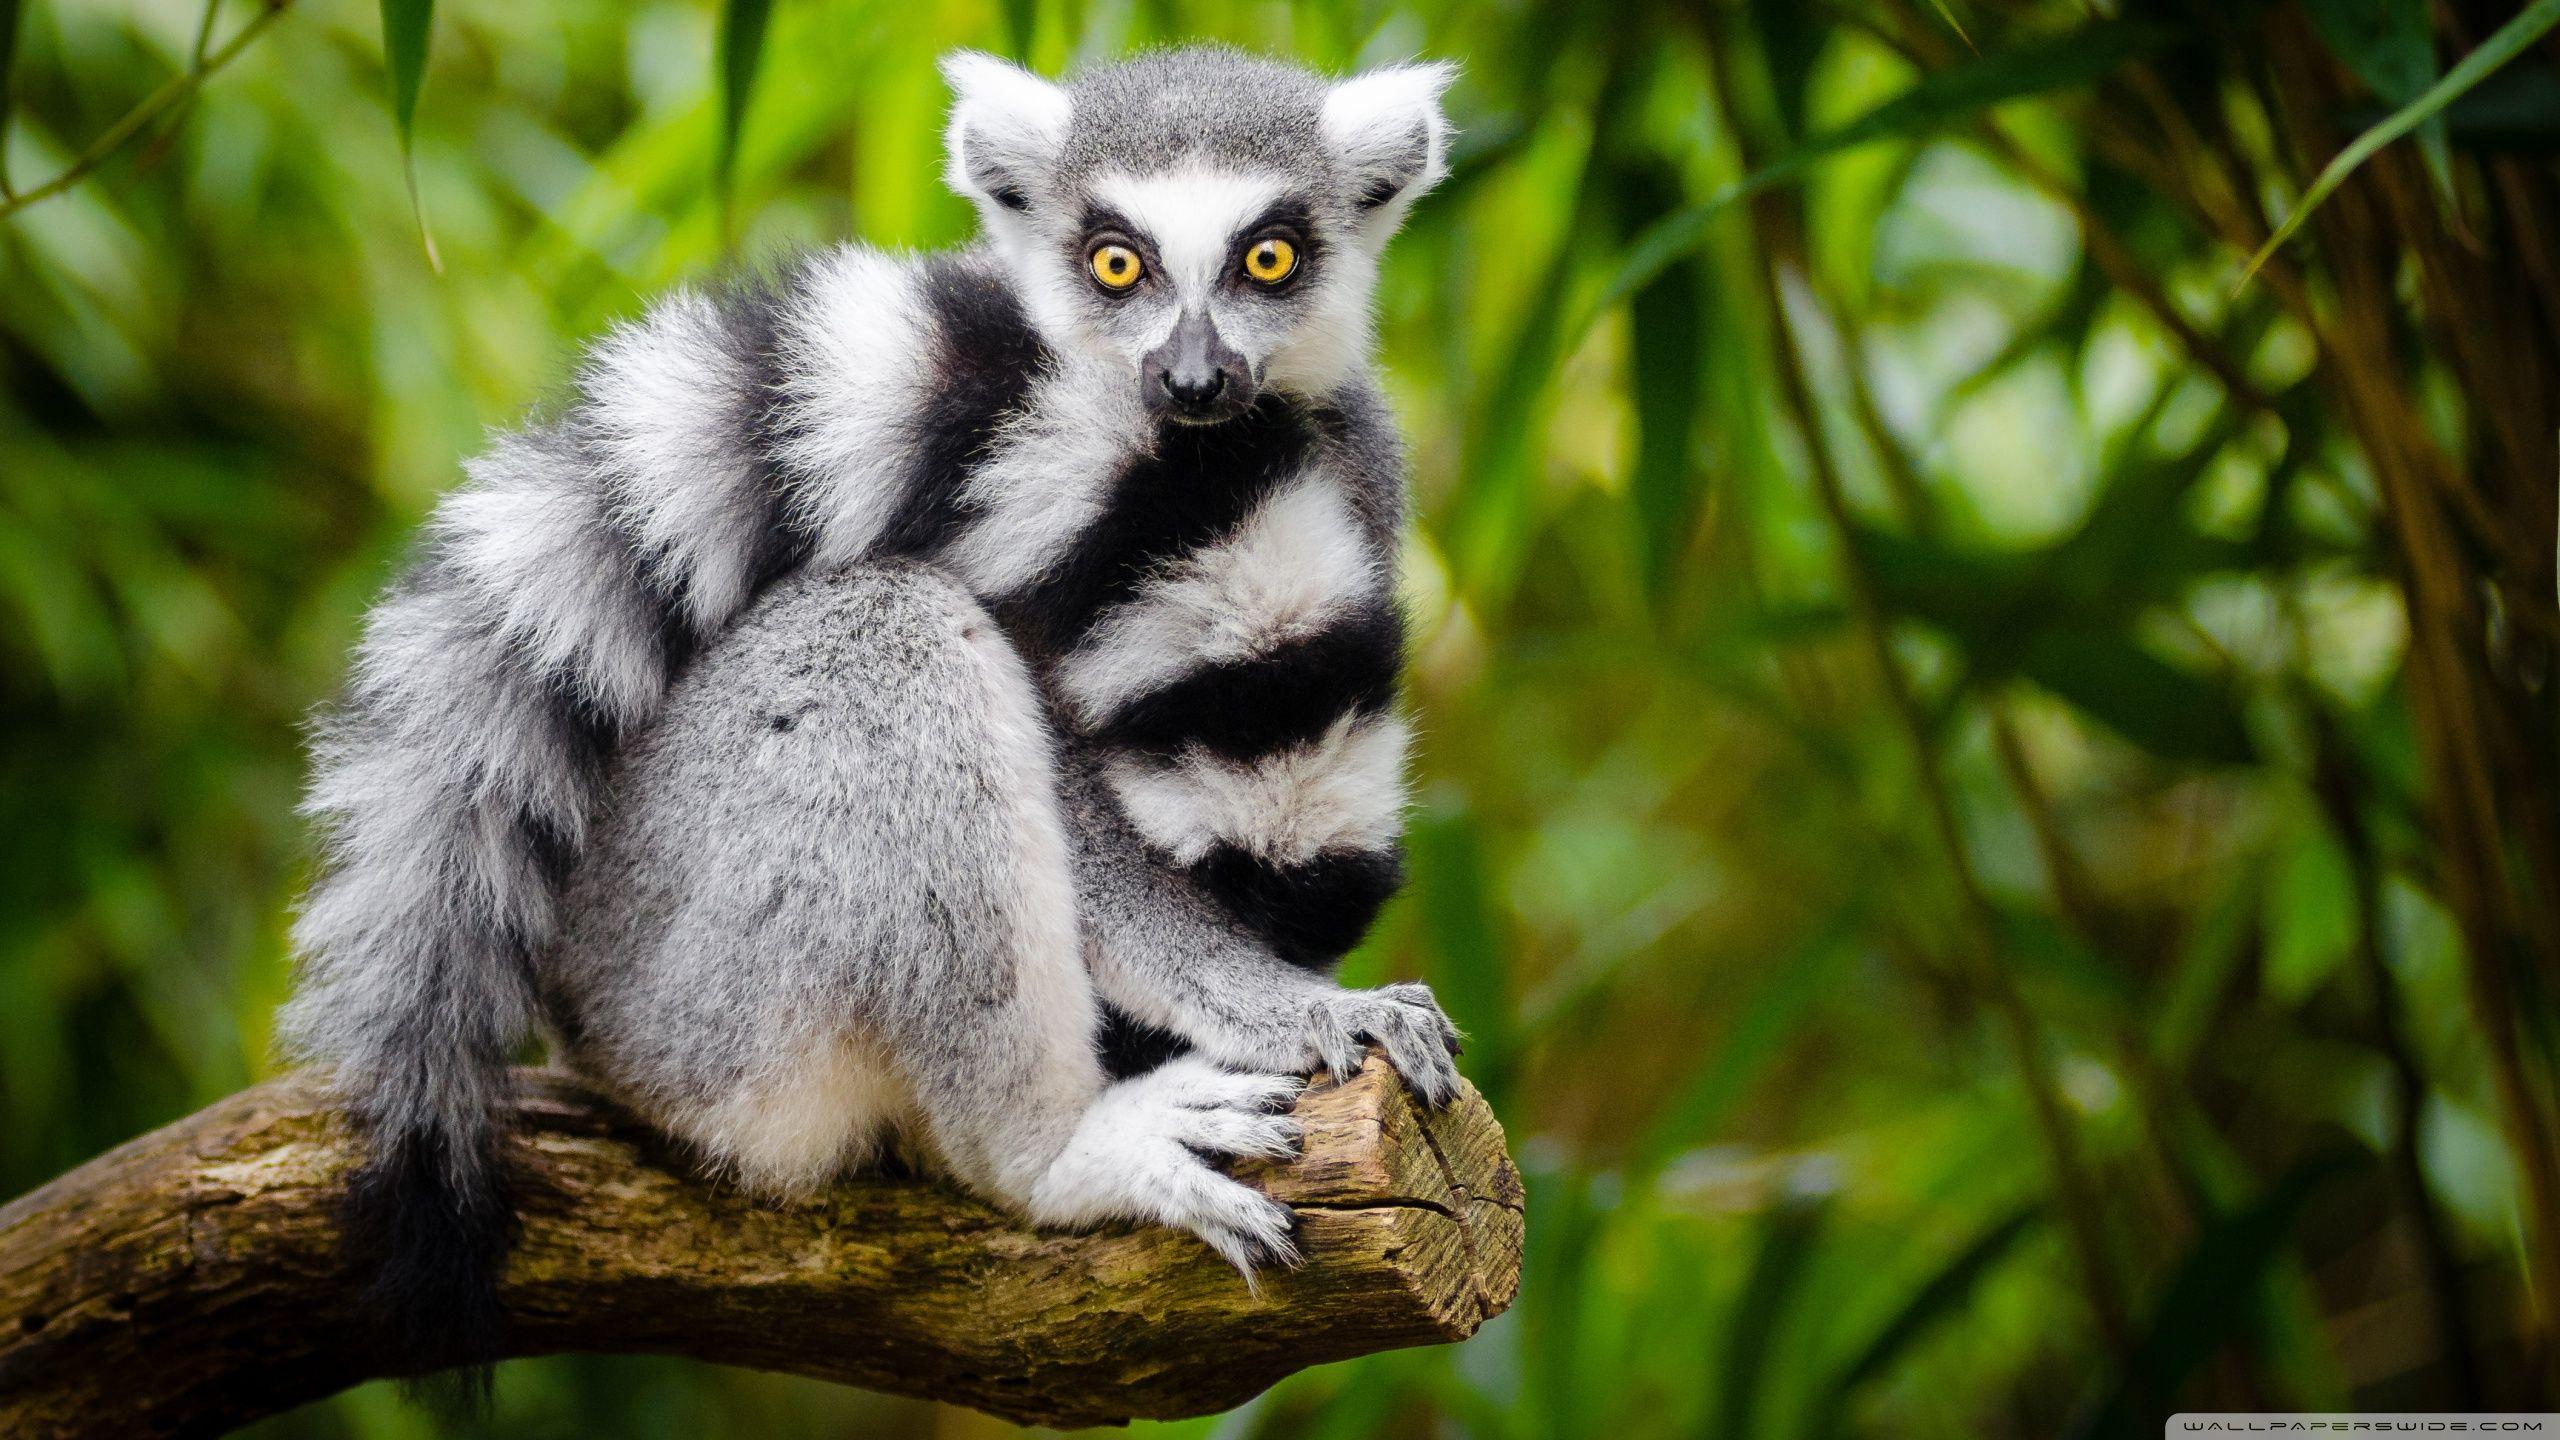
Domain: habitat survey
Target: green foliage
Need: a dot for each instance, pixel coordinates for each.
(407, 27)
(742, 27)
(1795, 868)
(2509, 40)
(8, 64)
(2207, 1299)
(2391, 47)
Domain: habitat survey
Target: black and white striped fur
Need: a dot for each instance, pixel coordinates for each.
(867, 705)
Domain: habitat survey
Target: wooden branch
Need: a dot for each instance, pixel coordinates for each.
(189, 1281)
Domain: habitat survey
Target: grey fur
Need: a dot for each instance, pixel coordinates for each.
(793, 854)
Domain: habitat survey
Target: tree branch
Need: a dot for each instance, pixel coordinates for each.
(190, 1280)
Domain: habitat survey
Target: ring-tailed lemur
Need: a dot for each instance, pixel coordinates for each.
(884, 680)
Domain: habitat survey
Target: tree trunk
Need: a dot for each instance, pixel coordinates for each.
(190, 1281)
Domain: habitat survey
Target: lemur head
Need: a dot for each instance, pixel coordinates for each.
(1208, 220)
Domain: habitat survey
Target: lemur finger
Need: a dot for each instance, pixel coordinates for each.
(1419, 997)
(1241, 1133)
(1337, 1041)
(1192, 1083)
(1414, 1048)
(1265, 1094)
(1451, 1037)
(1249, 1229)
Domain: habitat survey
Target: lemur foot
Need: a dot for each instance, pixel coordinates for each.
(1143, 1152)
(1405, 1020)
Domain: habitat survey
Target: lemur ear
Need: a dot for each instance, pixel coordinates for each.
(1386, 132)
(1007, 125)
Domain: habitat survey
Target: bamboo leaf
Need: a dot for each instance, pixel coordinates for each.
(1791, 39)
(2012, 618)
(741, 47)
(1934, 103)
(1788, 1236)
(1462, 933)
(2170, 712)
(1949, 16)
(2516, 109)
(2390, 46)
(1021, 27)
(1698, 1107)
(407, 26)
(1667, 343)
(2208, 1300)
(2530, 24)
(1941, 1297)
(8, 66)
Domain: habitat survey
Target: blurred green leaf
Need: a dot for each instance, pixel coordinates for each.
(1470, 958)
(2389, 45)
(1788, 1235)
(2183, 1002)
(2209, 1299)
(742, 31)
(8, 71)
(407, 27)
(1489, 521)
(2310, 916)
(1021, 28)
(2516, 109)
(1940, 1298)
(1933, 103)
(1708, 1095)
(2011, 629)
(2170, 712)
(1791, 37)
(2064, 617)
(1948, 14)
(1558, 1272)
(2508, 41)
(1666, 369)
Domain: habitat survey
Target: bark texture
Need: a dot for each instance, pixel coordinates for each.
(190, 1281)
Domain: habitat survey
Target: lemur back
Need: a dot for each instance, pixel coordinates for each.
(1119, 500)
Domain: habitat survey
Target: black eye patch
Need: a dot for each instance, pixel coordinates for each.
(1100, 219)
(1288, 214)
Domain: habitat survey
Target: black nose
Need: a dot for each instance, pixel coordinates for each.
(1193, 392)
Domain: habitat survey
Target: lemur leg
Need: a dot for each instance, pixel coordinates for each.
(1166, 954)
(833, 888)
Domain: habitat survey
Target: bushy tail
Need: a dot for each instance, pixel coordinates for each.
(429, 1218)
(429, 1215)
(552, 598)
(416, 994)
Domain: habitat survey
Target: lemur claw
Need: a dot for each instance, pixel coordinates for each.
(1403, 1020)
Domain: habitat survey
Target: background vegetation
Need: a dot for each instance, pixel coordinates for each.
(1988, 794)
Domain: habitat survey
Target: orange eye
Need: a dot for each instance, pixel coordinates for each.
(1271, 260)
(1117, 266)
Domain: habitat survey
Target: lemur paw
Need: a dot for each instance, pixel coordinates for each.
(1143, 1152)
(1403, 1019)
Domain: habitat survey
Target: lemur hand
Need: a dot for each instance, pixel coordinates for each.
(1146, 1150)
(1402, 1018)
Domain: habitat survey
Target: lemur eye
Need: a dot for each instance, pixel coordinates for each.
(1271, 260)
(1117, 266)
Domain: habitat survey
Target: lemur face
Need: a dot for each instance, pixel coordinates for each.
(1207, 223)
